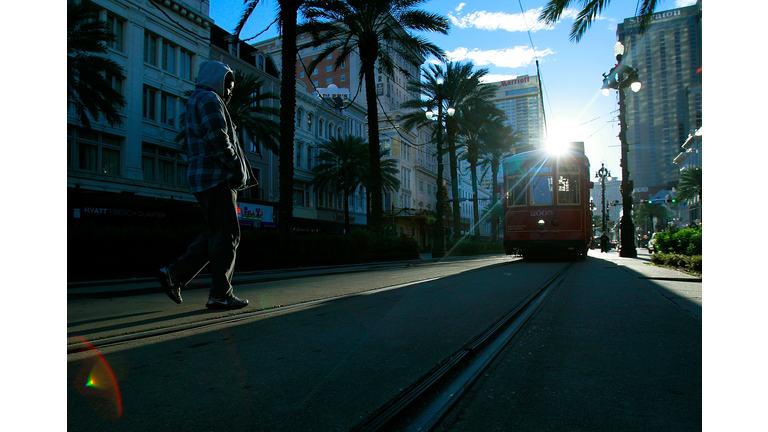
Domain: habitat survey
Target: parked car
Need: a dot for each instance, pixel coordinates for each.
(652, 244)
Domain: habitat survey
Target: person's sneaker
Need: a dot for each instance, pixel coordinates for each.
(230, 303)
(170, 288)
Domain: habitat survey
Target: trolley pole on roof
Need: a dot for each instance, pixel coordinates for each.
(619, 78)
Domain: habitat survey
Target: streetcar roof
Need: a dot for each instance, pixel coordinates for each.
(542, 158)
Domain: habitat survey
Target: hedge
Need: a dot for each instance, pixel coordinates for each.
(122, 252)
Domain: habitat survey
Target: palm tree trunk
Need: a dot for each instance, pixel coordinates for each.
(454, 164)
(475, 206)
(376, 206)
(289, 9)
(346, 212)
(494, 197)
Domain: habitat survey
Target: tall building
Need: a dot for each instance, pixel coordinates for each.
(135, 172)
(668, 107)
(520, 99)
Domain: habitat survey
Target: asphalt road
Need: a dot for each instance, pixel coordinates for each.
(609, 350)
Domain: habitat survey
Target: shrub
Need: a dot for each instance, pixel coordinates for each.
(687, 262)
(99, 252)
(687, 241)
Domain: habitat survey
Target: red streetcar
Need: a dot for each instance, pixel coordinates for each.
(546, 211)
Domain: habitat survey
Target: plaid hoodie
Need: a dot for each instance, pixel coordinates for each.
(214, 152)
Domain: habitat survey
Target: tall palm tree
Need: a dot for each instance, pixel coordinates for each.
(89, 90)
(591, 10)
(249, 112)
(498, 144)
(689, 187)
(430, 87)
(341, 168)
(651, 213)
(463, 90)
(477, 117)
(287, 16)
(376, 30)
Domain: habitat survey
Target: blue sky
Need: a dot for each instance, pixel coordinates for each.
(506, 38)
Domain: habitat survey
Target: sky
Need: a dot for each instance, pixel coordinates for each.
(506, 38)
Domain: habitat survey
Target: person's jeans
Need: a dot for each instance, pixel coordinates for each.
(217, 246)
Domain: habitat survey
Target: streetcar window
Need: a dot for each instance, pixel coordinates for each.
(541, 190)
(568, 189)
(516, 188)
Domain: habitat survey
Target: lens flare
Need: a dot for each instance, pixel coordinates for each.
(96, 382)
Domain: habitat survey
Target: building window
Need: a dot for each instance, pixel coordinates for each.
(343, 65)
(168, 109)
(115, 26)
(117, 85)
(329, 81)
(299, 115)
(260, 62)
(150, 49)
(185, 65)
(329, 68)
(343, 78)
(309, 122)
(298, 155)
(321, 124)
(149, 104)
(314, 72)
(93, 151)
(169, 58)
(164, 165)
(301, 74)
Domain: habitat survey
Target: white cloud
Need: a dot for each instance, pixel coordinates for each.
(521, 22)
(510, 58)
(460, 7)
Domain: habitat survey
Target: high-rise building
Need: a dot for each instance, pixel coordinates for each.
(668, 107)
(520, 99)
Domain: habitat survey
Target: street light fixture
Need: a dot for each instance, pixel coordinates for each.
(438, 245)
(619, 78)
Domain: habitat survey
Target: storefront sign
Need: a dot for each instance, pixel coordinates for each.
(255, 215)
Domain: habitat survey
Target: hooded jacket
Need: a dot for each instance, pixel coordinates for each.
(214, 153)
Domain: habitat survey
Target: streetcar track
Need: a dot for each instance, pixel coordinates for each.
(423, 405)
(87, 345)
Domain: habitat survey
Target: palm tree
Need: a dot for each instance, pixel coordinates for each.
(376, 30)
(248, 111)
(477, 117)
(89, 89)
(555, 8)
(689, 187)
(498, 144)
(652, 213)
(463, 90)
(341, 168)
(287, 15)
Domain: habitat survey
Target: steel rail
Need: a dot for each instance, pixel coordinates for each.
(425, 403)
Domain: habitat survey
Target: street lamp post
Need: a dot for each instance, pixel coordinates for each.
(619, 78)
(438, 245)
(602, 173)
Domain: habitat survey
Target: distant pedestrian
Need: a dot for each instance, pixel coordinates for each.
(217, 169)
(604, 243)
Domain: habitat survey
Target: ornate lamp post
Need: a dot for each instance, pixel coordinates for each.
(602, 173)
(438, 244)
(619, 78)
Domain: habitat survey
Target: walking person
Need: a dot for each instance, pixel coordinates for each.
(217, 169)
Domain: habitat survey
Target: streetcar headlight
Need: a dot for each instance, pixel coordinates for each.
(541, 223)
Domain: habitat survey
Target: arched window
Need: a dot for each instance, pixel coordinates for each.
(309, 122)
(299, 115)
(320, 127)
(330, 130)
